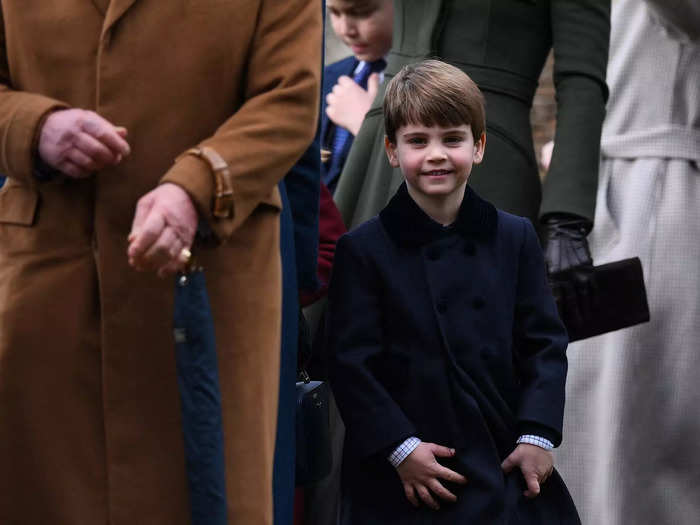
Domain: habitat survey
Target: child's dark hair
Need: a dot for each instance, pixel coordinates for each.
(433, 93)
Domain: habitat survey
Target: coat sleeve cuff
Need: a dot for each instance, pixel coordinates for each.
(538, 429)
(195, 176)
(21, 135)
(376, 433)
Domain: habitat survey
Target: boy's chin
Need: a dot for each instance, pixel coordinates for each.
(434, 188)
(441, 185)
(364, 57)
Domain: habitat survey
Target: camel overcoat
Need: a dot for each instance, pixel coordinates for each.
(90, 425)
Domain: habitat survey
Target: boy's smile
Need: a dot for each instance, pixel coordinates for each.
(435, 161)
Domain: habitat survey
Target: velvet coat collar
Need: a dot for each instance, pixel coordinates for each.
(408, 225)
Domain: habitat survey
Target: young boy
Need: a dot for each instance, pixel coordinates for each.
(350, 84)
(447, 354)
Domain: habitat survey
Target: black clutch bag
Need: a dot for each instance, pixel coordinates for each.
(617, 298)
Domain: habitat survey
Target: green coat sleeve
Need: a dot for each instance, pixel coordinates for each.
(580, 34)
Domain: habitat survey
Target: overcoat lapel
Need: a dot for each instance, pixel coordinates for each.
(115, 11)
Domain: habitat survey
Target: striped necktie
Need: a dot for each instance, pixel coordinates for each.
(341, 135)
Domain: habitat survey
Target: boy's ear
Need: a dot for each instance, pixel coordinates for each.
(391, 152)
(479, 147)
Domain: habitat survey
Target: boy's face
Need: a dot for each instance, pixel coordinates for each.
(435, 161)
(364, 26)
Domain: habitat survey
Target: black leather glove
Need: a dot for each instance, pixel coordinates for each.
(570, 266)
(566, 246)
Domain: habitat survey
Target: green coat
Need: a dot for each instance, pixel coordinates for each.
(502, 45)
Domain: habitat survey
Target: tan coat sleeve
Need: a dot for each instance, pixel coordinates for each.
(20, 115)
(277, 121)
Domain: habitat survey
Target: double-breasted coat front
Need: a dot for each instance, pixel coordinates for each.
(90, 426)
(450, 335)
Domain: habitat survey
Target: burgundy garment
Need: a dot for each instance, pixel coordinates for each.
(331, 227)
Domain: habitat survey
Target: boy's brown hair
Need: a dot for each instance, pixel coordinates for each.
(433, 93)
(361, 6)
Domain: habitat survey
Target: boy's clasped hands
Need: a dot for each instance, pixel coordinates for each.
(421, 472)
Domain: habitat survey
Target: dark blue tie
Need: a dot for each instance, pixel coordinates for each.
(341, 135)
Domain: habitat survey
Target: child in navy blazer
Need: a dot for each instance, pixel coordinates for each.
(365, 26)
(447, 356)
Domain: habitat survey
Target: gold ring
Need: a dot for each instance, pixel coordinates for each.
(185, 255)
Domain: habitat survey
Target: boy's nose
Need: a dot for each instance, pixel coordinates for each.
(348, 26)
(436, 154)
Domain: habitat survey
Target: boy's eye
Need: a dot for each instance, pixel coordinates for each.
(453, 140)
(361, 13)
(416, 140)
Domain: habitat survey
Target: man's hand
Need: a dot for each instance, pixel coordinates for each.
(420, 473)
(535, 463)
(78, 142)
(165, 222)
(347, 104)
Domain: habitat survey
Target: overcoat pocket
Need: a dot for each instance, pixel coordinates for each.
(18, 204)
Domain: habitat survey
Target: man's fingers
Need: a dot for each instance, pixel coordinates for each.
(344, 80)
(93, 148)
(426, 497)
(121, 131)
(72, 170)
(146, 234)
(440, 451)
(440, 491)
(113, 141)
(81, 160)
(165, 249)
(106, 133)
(450, 475)
(411, 495)
(143, 208)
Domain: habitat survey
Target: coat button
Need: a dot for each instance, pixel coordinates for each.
(478, 303)
(442, 306)
(469, 248)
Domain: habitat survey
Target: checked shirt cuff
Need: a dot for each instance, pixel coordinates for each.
(536, 440)
(403, 450)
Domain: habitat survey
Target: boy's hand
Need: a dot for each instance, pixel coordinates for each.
(535, 463)
(420, 472)
(347, 104)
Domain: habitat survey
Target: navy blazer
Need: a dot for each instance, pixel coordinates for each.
(331, 74)
(452, 335)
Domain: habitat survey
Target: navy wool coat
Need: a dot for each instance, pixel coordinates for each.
(449, 334)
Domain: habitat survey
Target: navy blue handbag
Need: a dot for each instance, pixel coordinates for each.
(198, 381)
